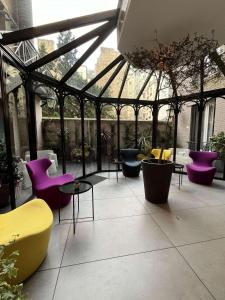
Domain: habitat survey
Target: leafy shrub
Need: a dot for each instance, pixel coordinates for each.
(7, 272)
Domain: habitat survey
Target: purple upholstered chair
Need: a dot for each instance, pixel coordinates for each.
(201, 170)
(46, 187)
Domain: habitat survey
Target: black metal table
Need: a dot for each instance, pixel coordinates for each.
(70, 189)
(180, 169)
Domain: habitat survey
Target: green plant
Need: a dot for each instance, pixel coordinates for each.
(217, 143)
(7, 272)
(67, 134)
(17, 174)
(76, 153)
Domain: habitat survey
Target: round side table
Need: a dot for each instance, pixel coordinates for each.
(70, 189)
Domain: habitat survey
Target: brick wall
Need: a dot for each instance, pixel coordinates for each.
(219, 124)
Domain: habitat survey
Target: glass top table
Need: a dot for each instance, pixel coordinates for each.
(70, 188)
(77, 187)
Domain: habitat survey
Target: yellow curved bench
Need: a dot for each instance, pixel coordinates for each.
(166, 154)
(27, 229)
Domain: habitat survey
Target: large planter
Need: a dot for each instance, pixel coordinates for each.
(157, 178)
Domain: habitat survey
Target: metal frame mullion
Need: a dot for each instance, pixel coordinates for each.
(62, 128)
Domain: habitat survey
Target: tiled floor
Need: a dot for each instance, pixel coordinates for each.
(137, 250)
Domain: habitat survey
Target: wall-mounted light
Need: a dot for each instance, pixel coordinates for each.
(49, 100)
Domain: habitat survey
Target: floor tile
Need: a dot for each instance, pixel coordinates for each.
(160, 275)
(41, 285)
(208, 261)
(108, 191)
(192, 225)
(56, 246)
(113, 237)
(177, 200)
(111, 208)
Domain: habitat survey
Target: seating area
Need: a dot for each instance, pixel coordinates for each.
(112, 150)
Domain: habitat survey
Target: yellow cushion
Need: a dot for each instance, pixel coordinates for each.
(27, 229)
(141, 156)
(166, 153)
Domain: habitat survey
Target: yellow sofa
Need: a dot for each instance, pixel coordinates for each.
(166, 153)
(27, 229)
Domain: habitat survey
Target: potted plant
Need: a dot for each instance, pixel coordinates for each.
(4, 177)
(217, 144)
(157, 175)
(7, 272)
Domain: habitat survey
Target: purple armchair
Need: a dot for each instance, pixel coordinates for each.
(201, 170)
(46, 187)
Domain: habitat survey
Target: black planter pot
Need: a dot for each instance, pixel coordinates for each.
(157, 178)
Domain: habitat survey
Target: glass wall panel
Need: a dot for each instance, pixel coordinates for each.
(165, 130)
(127, 127)
(145, 130)
(108, 137)
(16, 99)
(72, 125)
(218, 127)
(90, 137)
(185, 136)
(48, 127)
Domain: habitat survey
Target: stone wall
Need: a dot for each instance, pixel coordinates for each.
(51, 133)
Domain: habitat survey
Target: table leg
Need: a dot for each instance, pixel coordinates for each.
(78, 202)
(59, 214)
(93, 209)
(182, 176)
(179, 179)
(109, 168)
(74, 221)
(117, 170)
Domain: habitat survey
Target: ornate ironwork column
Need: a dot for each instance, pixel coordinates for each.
(176, 113)
(155, 113)
(136, 111)
(82, 134)
(31, 116)
(99, 141)
(201, 106)
(61, 100)
(118, 131)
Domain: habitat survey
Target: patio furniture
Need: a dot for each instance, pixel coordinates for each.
(166, 153)
(44, 153)
(77, 188)
(201, 170)
(46, 187)
(130, 165)
(27, 229)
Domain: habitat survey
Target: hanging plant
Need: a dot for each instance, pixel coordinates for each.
(182, 59)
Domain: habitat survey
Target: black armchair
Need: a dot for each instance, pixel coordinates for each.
(130, 165)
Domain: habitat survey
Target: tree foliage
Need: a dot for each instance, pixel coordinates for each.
(60, 67)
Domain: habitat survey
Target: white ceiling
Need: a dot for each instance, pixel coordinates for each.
(172, 20)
